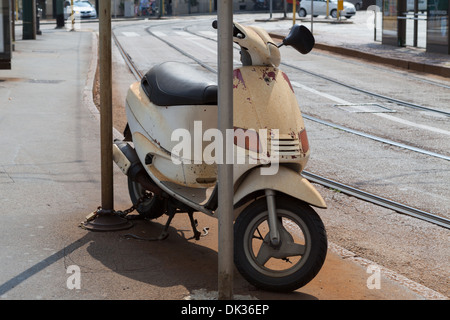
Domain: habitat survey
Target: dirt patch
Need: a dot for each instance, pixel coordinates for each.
(118, 102)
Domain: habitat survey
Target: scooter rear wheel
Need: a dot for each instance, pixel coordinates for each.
(289, 265)
(151, 208)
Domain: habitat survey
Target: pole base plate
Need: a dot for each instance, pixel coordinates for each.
(107, 222)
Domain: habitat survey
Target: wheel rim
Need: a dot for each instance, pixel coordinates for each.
(287, 258)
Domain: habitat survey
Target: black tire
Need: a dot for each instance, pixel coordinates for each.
(333, 13)
(151, 208)
(302, 13)
(251, 227)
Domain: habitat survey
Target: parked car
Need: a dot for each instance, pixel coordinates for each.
(81, 9)
(320, 8)
(356, 3)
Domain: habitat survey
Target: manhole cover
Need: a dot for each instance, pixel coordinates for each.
(363, 107)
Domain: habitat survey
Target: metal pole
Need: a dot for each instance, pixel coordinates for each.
(270, 8)
(225, 170)
(328, 10)
(294, 3)
(72, 16)
(28, 20)
(312, 15)
(106, 138)
(374, 25)
(416, 22)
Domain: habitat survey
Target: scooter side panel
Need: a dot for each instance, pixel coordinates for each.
(162, 122)
(175, 136)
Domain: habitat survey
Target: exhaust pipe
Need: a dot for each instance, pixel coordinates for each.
(126, 158)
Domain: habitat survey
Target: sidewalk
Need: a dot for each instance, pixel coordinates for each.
(50, 180)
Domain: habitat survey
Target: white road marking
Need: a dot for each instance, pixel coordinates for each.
(159, 34)
(130, 34)
(383, 115)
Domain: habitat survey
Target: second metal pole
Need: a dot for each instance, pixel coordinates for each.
(106, 105)
(225, 170)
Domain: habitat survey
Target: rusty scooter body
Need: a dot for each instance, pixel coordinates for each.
(172, 149)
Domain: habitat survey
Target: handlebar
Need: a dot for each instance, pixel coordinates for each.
(300, 38)
(236, 31)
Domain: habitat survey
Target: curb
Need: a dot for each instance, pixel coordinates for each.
(404, 64)
(88, 99)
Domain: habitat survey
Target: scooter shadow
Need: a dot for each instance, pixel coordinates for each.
(179, 260)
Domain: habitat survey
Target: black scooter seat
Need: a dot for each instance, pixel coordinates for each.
(175, 83)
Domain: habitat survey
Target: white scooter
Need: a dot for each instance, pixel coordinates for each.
(173, 150)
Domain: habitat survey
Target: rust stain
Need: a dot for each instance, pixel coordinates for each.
(238, 75)
(302, 136)
(287, 80)
(268, 76)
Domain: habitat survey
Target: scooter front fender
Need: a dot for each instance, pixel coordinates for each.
(286, 181)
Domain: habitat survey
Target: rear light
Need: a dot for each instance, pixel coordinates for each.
(247, 139)
(302, 136)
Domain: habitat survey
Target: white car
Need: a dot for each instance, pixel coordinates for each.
(81, 9)
(320, 8)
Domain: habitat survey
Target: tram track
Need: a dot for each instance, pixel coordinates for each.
(355, 192)
(349, 130)
(387, 70)
(311, 118)
(370, 93)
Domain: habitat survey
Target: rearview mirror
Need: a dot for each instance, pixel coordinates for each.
(300, 38)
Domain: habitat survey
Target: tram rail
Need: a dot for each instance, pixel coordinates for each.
(370, 93)
(349, 190)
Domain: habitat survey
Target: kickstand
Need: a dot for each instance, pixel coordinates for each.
(171, 213)
(194, 224)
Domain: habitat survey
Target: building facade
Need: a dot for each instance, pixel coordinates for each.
(402, 19)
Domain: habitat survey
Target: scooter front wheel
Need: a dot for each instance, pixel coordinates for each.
(292, 263)
(151, 208)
